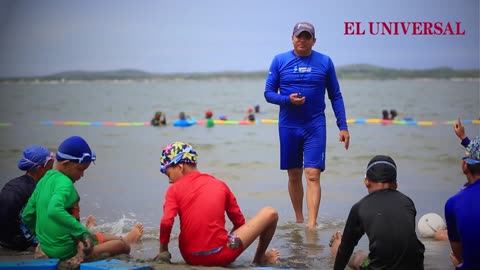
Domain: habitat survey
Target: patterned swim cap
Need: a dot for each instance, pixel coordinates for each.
(175, 153)
(473, 151)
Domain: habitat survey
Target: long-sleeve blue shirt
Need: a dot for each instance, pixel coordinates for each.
(312, 76)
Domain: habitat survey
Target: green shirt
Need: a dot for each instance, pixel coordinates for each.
(46, 216)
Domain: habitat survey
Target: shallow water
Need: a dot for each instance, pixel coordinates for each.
(125, 185)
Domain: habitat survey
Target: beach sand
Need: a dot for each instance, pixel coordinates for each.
(434, 259)
(15, 256)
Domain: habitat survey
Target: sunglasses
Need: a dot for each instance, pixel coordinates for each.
(175, 160)
(86, 157)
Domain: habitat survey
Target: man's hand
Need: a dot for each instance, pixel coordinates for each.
(459, 129)
(296, 100)
(345, 138)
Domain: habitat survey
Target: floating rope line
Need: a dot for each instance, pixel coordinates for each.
(246, 122)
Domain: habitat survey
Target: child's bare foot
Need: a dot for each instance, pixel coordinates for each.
(135, 233)
(335, 242)
(90, 222)
(270, 257)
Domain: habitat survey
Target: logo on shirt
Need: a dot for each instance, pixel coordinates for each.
(297, 69)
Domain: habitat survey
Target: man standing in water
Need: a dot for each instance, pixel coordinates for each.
(297, 81)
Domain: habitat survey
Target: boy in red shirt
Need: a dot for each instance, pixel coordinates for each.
(201, 201)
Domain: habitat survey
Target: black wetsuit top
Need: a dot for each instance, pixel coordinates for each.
(13, 197)
(387, 216)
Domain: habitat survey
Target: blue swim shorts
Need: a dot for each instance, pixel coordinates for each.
(302, 147)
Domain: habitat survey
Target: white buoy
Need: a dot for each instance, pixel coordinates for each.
(429, 223)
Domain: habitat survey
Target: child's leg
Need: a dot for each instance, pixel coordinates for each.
(117, 245)
(358, 257)
(335, 243)
(263, 225)
(358, 260)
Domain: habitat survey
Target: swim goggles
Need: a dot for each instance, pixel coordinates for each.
(50, 157)
(47, 159)
(86, 157)
(175, 160)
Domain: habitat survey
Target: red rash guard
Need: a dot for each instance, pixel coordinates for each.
(201, 201)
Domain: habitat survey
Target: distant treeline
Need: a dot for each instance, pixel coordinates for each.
(345, 72)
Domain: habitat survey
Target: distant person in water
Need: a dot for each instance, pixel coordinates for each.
(222, 117)
(158, 119)
(36, 161)
(386, 116)
(393, 114)
(184, 120)
(250, 115)
(257, 108)
(208, 116)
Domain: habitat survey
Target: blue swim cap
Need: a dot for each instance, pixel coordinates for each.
(33, 156)
(75, 148)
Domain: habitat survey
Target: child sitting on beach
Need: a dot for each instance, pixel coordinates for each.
(60, 233)
(36, 161)
(202, 201)
(387, 216)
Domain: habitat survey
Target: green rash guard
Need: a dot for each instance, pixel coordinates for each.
(47, 217)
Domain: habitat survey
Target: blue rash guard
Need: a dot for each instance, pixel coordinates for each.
(310, 76)
(462, 214)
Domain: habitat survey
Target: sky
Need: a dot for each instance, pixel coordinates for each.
(50, 36)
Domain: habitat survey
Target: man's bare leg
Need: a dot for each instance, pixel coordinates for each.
(263, 226)
(295, 189)
(314, 194)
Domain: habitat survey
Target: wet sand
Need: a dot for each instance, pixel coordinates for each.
(435, 258)
(6, 255)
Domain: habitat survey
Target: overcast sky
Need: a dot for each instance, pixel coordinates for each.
(49, 36)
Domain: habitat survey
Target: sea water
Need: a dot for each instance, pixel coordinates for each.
(125, 185)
